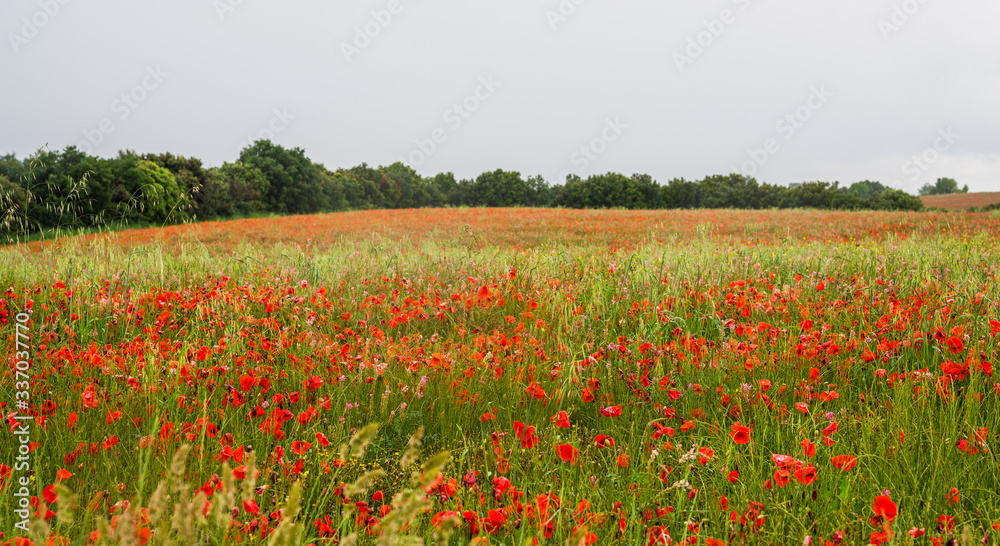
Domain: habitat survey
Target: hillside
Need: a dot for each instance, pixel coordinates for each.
(961, 201)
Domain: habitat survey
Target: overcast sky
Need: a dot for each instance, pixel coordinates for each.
(902, 92)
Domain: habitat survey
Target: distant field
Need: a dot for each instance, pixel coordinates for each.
(961, 201)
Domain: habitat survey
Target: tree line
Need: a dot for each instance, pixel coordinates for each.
(71, 189)
(943, 186)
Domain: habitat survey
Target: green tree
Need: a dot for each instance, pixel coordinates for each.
(192, 178)
(681, 194)
(574, 193)
(142, 191)
(53, 190)
(539, 192)
(501, 188)
(444, 190)
(866, 189)
(408, 187)
(652, 197)
(613, 190)
(12, 167)
(14, 203)
(943, 186)
(248, 189)
(368, 188)
(892, 199)
(294, 182)
(334, 185)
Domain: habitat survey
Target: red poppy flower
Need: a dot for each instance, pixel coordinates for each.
(740, 434)
(112, 416)
(436, 520)
(603, 441)
(536, 391)
(783, 461)
(612, 411)
(953, 496)
(299, 447)
(806, 475)
(844, 462)
(955, 344)
(306, 416)
(63, 474)
(885, 508)
(955, 370)
(782, 476)
(808, 448)
(494, 520)
(246, 382)
(878, 537)
(827, 396)
(89, 396)
(322, 439)
(250, 507)
(567, 453)
(528, 439)
(831, 428)
(661, 430)
(518, 428)
(623, 461)
(705, 454)
(561, 419)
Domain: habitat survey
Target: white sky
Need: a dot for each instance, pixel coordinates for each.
(226, 68)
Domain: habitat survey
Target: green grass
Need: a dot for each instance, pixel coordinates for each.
(587, 298)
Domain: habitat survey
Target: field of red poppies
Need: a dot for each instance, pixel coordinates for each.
(506, 376)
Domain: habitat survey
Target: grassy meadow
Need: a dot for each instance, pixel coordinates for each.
(508, 376)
